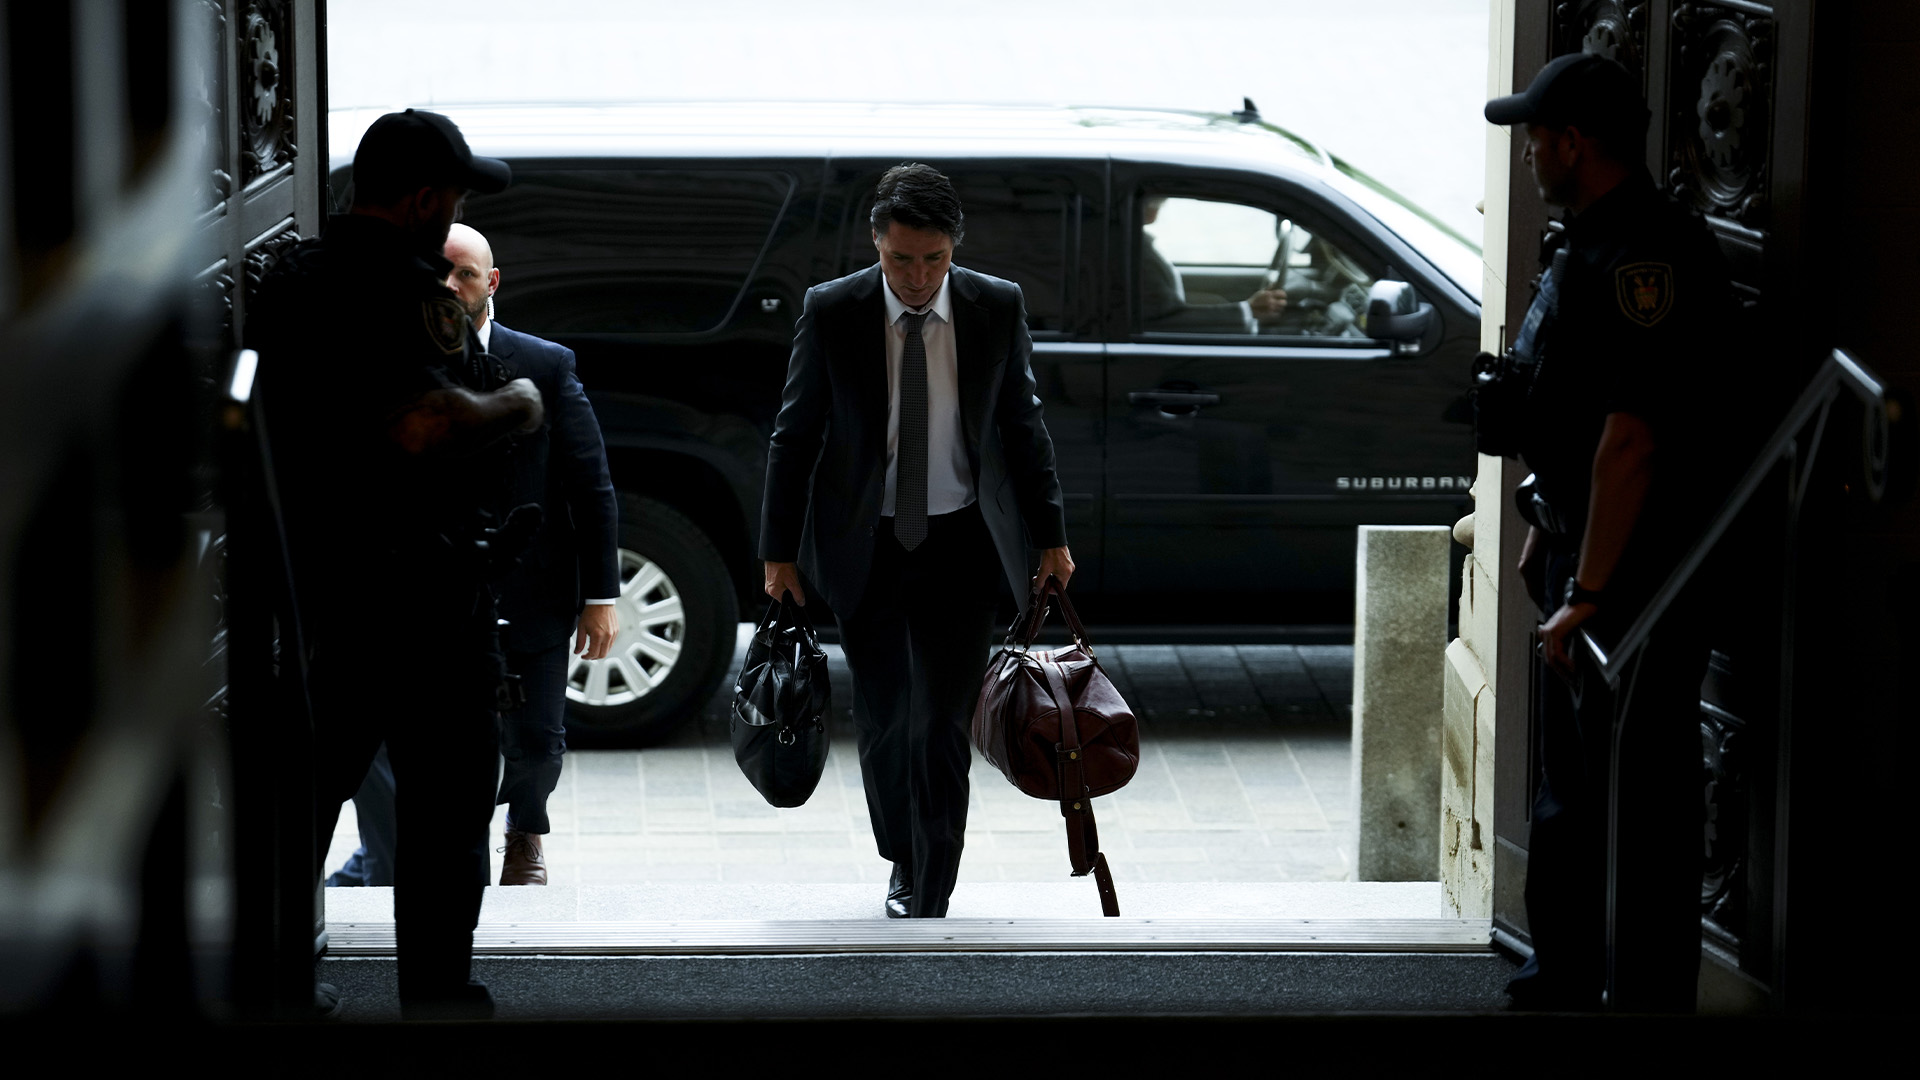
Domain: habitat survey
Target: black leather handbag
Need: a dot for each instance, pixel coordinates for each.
(780, 704)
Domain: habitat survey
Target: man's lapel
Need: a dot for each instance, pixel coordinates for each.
(866, 338)
(971, 324)
(501, 345)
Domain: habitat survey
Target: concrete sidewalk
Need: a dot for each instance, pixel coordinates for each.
(1244, 778)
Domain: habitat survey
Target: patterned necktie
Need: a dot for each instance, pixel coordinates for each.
(910, 466)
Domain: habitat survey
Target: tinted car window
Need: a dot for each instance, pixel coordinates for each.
(627, 251)
(1201, 259)
(1019, 227)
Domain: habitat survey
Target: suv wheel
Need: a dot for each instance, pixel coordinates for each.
(677, 617)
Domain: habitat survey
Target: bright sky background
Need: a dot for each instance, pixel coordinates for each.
(1394, 86)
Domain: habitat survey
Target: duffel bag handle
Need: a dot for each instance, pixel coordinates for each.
(1023, 632)
(784, 612)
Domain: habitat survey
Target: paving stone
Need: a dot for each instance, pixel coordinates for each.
(679, 820)
(657, 839)
(737, 810)
(1244, 777)
(628, 872)
(785, 873)
(610, 823)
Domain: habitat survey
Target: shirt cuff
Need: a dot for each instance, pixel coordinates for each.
(608, 600)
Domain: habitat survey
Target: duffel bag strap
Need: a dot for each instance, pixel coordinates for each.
(1026, 625)
(1076, 806)
(1074, 625)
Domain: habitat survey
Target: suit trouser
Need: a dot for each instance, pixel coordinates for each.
(917, 649)
(1656, 954)
(430, 702)
(372, 862)
(533, 737)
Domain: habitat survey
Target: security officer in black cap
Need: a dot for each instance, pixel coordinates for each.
(381, 417)
(1616, 361)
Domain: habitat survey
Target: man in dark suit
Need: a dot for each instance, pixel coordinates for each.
(908, 474)
(570, 570)
(570, 574)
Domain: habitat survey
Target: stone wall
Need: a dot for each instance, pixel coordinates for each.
(1468, 700)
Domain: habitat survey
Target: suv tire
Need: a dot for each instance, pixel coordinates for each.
(678, 615)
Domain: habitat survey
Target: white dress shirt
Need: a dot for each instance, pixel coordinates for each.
(485, 333)
(949, 477)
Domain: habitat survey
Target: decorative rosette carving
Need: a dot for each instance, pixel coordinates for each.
(266, 91)
(1615, 29)
(1720, 121)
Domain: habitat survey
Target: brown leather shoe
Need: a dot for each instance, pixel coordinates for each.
(525, 864)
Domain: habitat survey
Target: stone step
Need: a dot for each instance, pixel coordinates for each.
(733, 937)
(1012, 949)
(1066, 898)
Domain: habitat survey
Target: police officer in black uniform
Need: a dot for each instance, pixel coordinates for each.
(1607, 395)
(385, 425)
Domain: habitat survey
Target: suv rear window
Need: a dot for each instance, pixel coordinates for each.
(1019, 227)
(627, 251)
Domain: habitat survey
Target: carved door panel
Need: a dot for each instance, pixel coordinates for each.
(265, 92)
(1728, 84)
(265, 111)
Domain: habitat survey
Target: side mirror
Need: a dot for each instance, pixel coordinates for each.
(1396, 313)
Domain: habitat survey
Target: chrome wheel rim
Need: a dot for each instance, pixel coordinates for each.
(653, 629)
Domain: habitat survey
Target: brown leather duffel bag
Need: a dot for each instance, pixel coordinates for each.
(1018, 727)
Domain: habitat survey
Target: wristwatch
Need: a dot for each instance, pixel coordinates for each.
(1578, 595)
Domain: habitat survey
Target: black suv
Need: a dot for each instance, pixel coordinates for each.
(1215, 466)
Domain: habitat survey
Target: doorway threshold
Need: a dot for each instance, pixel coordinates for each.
(769, 937)
(711, 951)
(707, 919)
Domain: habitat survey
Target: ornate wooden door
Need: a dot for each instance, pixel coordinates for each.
(265, 108)
(1729, 84)
(154, 155)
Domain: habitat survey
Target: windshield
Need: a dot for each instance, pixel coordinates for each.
(1454, 255)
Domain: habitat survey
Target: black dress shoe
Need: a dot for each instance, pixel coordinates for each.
(899, 892)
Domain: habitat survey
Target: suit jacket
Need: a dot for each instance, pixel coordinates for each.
(827, 462)
(563, 467)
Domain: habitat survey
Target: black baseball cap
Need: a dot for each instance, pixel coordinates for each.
(417, 148)
(1579, 90)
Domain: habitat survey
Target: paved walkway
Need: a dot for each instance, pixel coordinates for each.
(1244, 778)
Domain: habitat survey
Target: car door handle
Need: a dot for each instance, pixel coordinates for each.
(1172, 397)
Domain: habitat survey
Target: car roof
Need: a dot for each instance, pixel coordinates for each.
(932, 132)
(842, 130)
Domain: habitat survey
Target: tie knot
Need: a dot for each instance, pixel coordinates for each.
(913, 321)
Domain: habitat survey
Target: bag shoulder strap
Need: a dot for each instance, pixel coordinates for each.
(1076, 806)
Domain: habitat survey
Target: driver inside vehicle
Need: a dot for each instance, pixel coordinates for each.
(1165, 305)
(1195, 253)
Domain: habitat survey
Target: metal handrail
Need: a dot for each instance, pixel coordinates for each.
(1838, 371)
(1813, 408)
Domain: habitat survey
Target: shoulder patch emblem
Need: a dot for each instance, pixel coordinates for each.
(446, 323)
(1645, 290)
